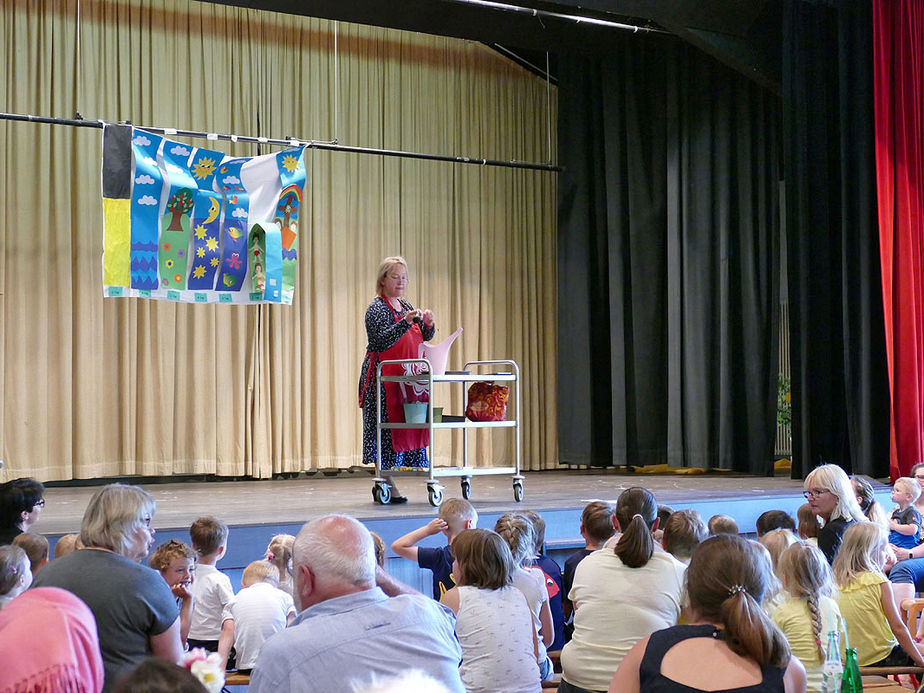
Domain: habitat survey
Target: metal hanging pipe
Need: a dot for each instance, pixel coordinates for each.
(291, 142)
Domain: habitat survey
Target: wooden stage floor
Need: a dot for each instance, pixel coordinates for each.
(242, 503)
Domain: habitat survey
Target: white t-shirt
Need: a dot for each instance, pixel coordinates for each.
(211, 592)
(495, 630)
(616, 606)
(258, 611)
(531, 582)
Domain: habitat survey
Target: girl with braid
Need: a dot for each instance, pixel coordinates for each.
(807, 612)
(874, 625)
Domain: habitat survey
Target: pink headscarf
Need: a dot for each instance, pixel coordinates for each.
(49, 644)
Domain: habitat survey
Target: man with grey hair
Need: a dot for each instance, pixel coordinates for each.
(356, 622)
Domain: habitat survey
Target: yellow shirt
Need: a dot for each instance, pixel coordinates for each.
(867, 626)
(793, 618)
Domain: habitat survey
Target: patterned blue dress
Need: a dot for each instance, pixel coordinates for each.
(383, 333)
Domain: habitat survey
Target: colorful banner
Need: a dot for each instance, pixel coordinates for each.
(193, 225)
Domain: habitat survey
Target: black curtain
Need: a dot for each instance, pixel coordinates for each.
(840, 386)
(668, 260)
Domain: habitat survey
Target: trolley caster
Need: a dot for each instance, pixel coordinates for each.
(466, 488)
(435, 494)
(381, 494)
(518, 491)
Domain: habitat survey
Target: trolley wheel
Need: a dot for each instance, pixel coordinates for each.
(518, 491)
(381, 494)
(435, 493)
(466, 488)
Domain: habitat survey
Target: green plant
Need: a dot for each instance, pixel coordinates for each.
(783, 401)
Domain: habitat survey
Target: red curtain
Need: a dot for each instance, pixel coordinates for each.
(898, 57)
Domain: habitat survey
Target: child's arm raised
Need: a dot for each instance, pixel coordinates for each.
(899, 629)
(406, 546)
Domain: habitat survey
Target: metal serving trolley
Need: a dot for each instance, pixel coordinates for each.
(506, 371)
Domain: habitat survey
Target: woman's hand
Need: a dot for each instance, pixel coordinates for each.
(427, 316)
(410, 315)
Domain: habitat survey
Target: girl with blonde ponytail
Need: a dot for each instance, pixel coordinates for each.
(807, 612)
(726, 582)
(620, 594)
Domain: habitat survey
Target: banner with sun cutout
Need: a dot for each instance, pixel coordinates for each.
(194, 225)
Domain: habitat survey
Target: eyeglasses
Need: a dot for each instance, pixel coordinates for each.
(815, 492)
(39, 503)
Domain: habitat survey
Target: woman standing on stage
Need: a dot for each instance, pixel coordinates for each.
(395, 330)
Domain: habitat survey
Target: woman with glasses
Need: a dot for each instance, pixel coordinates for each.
(21, 503)
(831, 498)
(136, 613)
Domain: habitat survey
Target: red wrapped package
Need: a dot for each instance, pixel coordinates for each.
(487, 402)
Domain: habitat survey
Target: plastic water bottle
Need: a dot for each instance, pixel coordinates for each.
(833, 668)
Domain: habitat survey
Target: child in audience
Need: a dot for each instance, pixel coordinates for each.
(620, 596)
(664, 512)
(455, 515)
(776, 542)
(774, 519)
(722, 524)
(807, 613)
(905, 523)
(551, 573)
(493, 621)
(211, 589)
(36, 548)
(865, 598)
(279, 553)
(66, 544)
(517, 531)
(15, 575)
(176, 563)
(808, 524)
(596, 527)
(255, 613)
(866, 497)
(683, 530)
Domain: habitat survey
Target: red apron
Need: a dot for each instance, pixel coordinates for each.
(396, 394)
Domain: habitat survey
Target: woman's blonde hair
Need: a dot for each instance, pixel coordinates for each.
(726, 582)
(388, 264)
(805, 574)
(832, 478)
(863, 550)
(113, 513)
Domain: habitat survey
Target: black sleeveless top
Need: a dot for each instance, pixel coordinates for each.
(652, 681)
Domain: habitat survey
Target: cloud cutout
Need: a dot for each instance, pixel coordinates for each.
(173, 168)
(147, 200)
(231, 180)
(141, 141)
(180, 150)
(144, 179)
(149, 161)
(239, 213)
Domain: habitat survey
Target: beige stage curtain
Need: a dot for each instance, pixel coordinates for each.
(93, 387)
